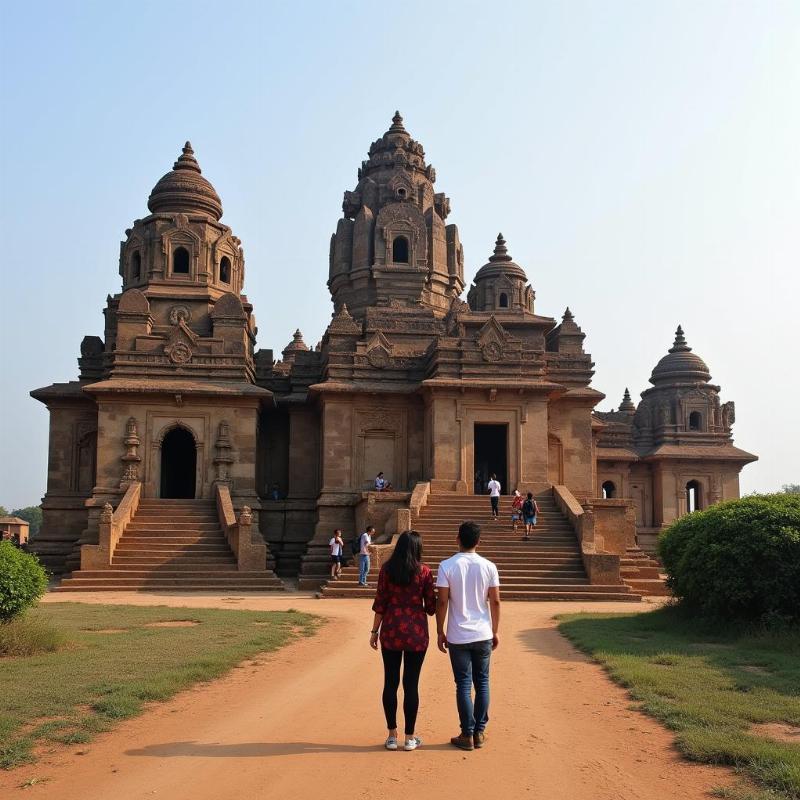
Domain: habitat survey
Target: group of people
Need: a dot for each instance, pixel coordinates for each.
(525, 511)
(467, 611)
(359, 547)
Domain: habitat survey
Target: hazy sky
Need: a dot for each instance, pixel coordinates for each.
(641, 158)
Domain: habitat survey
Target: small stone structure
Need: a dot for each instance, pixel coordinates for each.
(408, 379)
(14, 529)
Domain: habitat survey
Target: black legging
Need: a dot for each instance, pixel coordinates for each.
(391, 683)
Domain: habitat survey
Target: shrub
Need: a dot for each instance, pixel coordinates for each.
(28, 635)
(22, 581)
(739, 560)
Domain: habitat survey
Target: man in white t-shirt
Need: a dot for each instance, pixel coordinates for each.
(336, 545)
(469, 601)
(365, 540)
(494, 496)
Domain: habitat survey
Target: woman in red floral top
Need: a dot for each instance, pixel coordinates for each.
(405, 595)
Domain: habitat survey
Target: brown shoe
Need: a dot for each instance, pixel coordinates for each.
(478, 738)
(462, 742)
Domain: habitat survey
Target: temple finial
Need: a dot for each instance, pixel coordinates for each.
(186, 159)
(627, 405)
(568, 317)
(500, 250)
(680, 342)
(397, 124)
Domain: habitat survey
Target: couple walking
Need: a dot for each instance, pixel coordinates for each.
(467, 618)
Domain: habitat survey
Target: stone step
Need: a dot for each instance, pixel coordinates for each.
(651, 587)
(126, 548)
(514, 595)
(159, 571)
(641, 572)
(234, 583)
(161, 524)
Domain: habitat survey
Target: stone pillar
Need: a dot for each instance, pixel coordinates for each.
(131, 459)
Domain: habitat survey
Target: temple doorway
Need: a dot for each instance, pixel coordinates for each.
(491, 456)
(178, 464)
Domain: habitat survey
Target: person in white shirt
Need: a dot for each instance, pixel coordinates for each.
(336, 545)
(494, 496)
(469, 602)
(381, 484)
(363, 555)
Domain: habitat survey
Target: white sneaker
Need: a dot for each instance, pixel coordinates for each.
(413, 743)
(391, 743)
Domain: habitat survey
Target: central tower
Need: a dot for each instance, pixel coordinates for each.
(392, 246)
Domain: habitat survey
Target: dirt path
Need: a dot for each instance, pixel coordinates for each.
(306, 722)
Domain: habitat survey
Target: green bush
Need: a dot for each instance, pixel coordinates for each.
(737, 561)
(22, 581)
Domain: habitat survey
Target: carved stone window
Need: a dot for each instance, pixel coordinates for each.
(400, 250)
(503, 300)
(225, 270)
(695, 421)
(180, 261)
(609, 490)
(136, 266)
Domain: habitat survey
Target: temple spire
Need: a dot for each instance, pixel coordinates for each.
(500, 250)
(397, 124)
(680, 345)
(568, 317)
(627, 405)
(187, 160)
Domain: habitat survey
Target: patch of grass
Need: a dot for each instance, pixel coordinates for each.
(27, 635)
(73, 693)
(701, 683)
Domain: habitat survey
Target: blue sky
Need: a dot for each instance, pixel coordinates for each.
(641, 159)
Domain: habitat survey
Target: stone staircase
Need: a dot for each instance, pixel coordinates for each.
(643, 573)
(548, 567)
(173, 545)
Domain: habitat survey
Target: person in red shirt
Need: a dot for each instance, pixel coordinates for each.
(403, 602)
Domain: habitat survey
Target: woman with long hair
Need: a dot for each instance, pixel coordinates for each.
(404, 597)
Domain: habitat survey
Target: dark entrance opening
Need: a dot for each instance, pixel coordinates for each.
(178, 464)
(491, 456)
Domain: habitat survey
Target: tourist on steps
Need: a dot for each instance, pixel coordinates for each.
(530, 510)
(337, 554)
(405, 595)
(494, 496)
(469, 601)
(364, 541)
(516, 509)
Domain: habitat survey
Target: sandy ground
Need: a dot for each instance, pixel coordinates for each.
(306, 722)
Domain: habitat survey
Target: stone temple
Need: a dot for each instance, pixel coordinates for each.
(184, 456)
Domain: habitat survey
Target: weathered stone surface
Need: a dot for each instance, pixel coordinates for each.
(408, 380)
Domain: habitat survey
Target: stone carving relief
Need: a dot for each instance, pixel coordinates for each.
(728, 415)
(224, 447)
(182, 341)
(178, 314)
(179, 352)
(491, 340)
(131, 459)
(379, 351)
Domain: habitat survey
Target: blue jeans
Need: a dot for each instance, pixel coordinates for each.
(363, 568)
(470, 663)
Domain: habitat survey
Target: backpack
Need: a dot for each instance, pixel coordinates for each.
(355, 545)
(528, 508)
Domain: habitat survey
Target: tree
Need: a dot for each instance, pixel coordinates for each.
(791, 488)
(4, 512)
(32, 515)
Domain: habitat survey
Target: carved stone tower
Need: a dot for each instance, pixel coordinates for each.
(392, 243)
(501, 285)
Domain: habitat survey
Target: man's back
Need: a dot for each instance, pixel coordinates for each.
(494, 488)
(469, 578)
